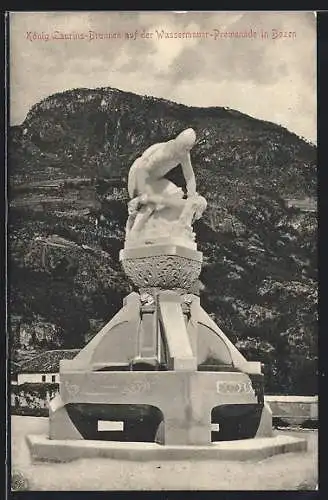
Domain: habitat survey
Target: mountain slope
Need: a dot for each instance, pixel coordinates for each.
(68, 166)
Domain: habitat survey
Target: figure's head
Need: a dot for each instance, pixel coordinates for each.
(186, 139)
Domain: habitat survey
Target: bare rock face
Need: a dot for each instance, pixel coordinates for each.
(69, 164)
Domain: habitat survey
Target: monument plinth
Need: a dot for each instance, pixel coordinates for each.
(161, 370)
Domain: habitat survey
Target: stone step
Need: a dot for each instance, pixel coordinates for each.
(44, 449)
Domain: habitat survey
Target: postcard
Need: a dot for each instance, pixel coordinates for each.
(162, 293)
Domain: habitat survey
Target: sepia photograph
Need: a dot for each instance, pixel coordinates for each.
(162, 314)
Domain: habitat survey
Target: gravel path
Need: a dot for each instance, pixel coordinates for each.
(290, 471)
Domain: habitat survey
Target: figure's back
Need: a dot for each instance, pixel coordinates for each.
(142, 161)
(154, 147)
(159, 159)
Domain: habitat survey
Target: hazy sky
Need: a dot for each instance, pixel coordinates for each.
(271, 79)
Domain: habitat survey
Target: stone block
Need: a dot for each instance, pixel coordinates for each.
(60, 425)
(265, 427)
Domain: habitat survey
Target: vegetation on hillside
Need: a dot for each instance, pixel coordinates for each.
(260, 262)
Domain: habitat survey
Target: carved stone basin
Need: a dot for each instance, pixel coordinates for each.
(165, 266)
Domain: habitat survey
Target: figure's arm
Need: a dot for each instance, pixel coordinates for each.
(142, 184)
(189, 175)
(132, 180)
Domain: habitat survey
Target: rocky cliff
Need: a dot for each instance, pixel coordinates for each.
(68, 165)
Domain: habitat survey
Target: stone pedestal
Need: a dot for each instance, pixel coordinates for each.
(160, 360)
(161, 370)
(152, 353)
